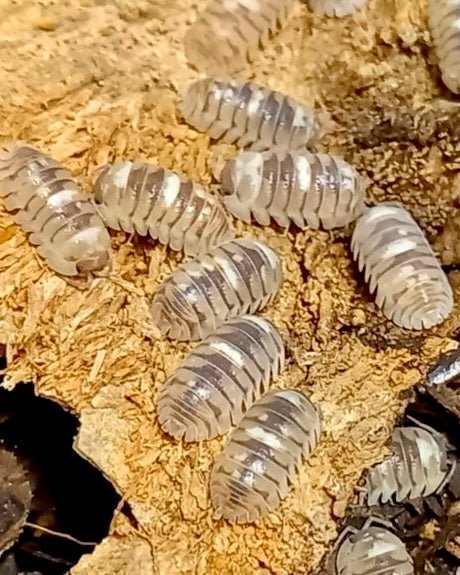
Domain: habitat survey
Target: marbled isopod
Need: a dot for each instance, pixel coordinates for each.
(411, 288)
(151, 200)
(309, 189)
(446, 370)
(220, 379)
(261, 458)
(228, 33)
(337, 8)
(248, 115)
(237, 277)
(417, 467)
(444, 18)
(62, 222)
(371, 550)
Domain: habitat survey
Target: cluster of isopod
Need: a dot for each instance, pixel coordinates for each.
(212, 298)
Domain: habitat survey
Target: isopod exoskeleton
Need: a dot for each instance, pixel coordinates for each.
(444, 18)
(445, 370)
(237, 277)
(62, 222)
(151, 200)
(220, 379)
(313, 190)
(337, 8)
(228, 33)
(248, 115)
(261, 458)
(371, 550)
(411, 288)
(417, 467)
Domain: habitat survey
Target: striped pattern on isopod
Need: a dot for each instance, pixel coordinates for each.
(417, 467)
(220, 379)
(228, 33)
(254, 471)
(238, 277)
(151, 200)
(62, 222)
(337, 8)
(444, 18)
(370, 550)
(248, 115)
(445, 370)
(309, 189)
(411, 288)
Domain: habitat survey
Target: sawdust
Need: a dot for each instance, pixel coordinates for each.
(90, 81)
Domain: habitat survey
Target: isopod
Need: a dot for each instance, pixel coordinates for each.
(444, 18)
(445, 370)
(337, 8)
(309, 189)
(418, 466)
(237, 277)
(62, 222)
(228, 33)
(248, 115)
(221, 379)
(370, 550)
(151, 200)
(411, 288)
(261, 458)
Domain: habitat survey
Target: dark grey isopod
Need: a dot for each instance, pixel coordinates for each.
(417, 467)
(248, 115)
(371, 550)
(221, 379)
(445, 370)
(261, 458)
(237, 277)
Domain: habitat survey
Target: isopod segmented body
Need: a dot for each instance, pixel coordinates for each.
(228, 33)
(248, 115)
(445, 370)
(444, 17)
(237, 277)
(221, 379)
(152, 200)
(337, 8)
(411, 288)
(309, 189)
(370, 550)
(417, 467)
(62, 222)
(254, 471)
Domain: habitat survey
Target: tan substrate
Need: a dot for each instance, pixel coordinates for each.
(89, 81)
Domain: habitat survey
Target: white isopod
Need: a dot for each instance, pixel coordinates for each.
(411, 288)
(418, 466)
(444, 17)
(221, 379)
(229, 32)
(309, 189)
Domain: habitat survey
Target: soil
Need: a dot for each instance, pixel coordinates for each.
(89, 81)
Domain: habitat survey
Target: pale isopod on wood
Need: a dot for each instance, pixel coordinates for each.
(228, 33)
(261, 458)
(151, 200)
(220, 379)
(370, 550)
(411, 288)
(418, 466)
(309, 189)
(248, 115)
(62, 222)
(444, 18)
(445, 370)
(237, 277)
(337, 8)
